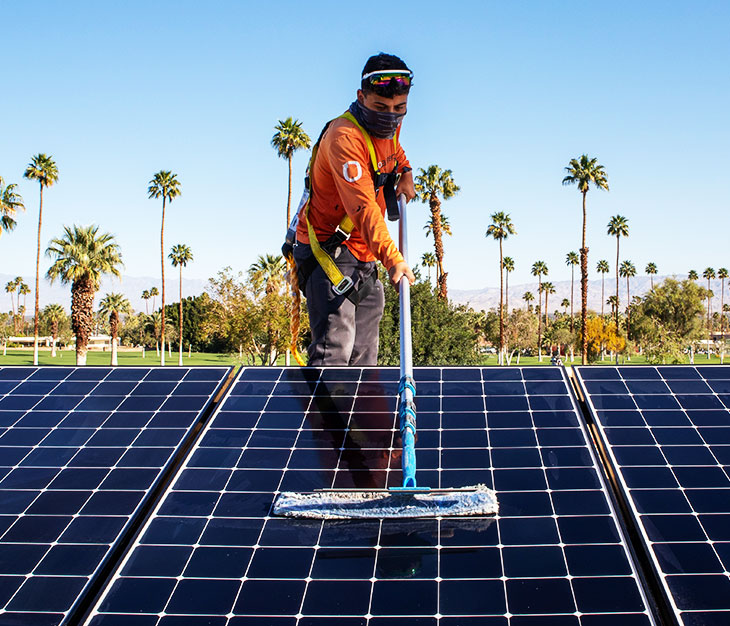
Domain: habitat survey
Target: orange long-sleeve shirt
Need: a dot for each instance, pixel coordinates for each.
(342, 181)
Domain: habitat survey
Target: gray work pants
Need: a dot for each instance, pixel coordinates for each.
(342, 333)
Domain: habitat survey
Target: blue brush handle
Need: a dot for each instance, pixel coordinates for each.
(409, 459)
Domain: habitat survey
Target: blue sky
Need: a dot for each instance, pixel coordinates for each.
(504, 95)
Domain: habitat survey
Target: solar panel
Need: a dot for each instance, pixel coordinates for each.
(667, 431)
(80, 451)
(212, 554)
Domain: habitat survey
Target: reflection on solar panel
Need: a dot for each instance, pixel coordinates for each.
(668, 433)
(212, 554)
(80, 450)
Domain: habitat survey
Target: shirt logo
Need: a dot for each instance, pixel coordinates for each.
(352, 171)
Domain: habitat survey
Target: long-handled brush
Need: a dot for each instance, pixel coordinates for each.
(409, 500)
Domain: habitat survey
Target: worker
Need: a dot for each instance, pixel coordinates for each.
(355, 167)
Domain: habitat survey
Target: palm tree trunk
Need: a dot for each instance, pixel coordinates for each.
(501, 302)
(288, 198)
(572, 282)
(37, 281)
(162, 250)
(628, 307)
(709, 306)
(82, 315)
(617, 276)
(546, 314)
(54, 332)
(539, 318)
(584, 287)
(603, 293)
(435, 206)
(722, 309)
(114, 327)
(180, 360)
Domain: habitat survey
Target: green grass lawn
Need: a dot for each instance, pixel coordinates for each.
(68, 358)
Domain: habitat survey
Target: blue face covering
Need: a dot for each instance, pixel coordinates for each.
(377, 123)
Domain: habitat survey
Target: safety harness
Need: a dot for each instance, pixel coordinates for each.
(341, 284)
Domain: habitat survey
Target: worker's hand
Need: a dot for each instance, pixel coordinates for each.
(398, 271)
(405, 186)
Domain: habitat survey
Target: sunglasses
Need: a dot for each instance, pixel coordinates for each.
(383, 77)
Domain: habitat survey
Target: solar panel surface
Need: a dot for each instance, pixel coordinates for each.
(212, 554)
(668, 433)
(80, 450)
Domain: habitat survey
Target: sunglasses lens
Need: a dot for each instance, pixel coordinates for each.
(384, 79)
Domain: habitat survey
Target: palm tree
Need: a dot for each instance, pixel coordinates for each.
(10, 288)
(154, 292)
(709, 274)
(10, 204)
(268, 272)
(722, 274)
(181, 255)
(23, 290)
(571, 259)
(42, 169)
(54, 314)
(583, 172)
(501, 228)
(445, 226)
(547, 288)
(613, 302)
(153, 324)
(618, 226)
(430, 184)
(603, 268)
(651, 270)
(627, 271)
(565, 304)
(528, 297)
(692, 275)
(81, 256)
(509, 266)
(428, 260)
(289, 138)
(146, 296)
(111, 306)
(165, 185)
(539, 269)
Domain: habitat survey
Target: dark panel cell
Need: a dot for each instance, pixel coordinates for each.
(114, 388)
(285, 421)
(639, 455)
(352, 533)
(44, 594)
(262, 373)
(645, 387)
(540, 388)
(214, 457)
(127, 373)
(508, 438)
(218, 562)
(184, 403)
(112, 437)
(677, 436)
(465, 458)
(32, 388)
(656, 402)
(173, 530)
(85, 419)
(294, 533)
(550, 403)
(202, 480)
(597, 560)
(611, 619)
(93, 530)
(705, 618)
(264, 458)
(130, 479)
(188, 503)
(716, 526)
(533, 562)
(58, 403)
(688, 401)
(666, 418)
(524, 503)
(491, 374)
(408, 533)
(166, 374)
(612, 402)
(702, 477)
(715, 436)
(536, 596)
(13, 456)
(503, 389)
(689, 386)
(34, 419)
(225, 438)
(699, 592)
(8, 586)
(37, 529)
(155, 437)
(28, 478)
(507, 403)
(660, 501)
(142, 403)
(113, 503)
(20, 558)
(519, 480)
(244, 504)
(74, 388)
(404, 597)
(66, 560)
(344, 563)
(720, 386)
(678, 373)
(709, 500)
(255, 597)
(580, 503)
(599, 595)
(23, 436)
(145, 457)
(515, 457)
(688, 455)
(338, 598)
(401, 563)
(306, 480)
(138, 595)
(593, 529)
(472, 597)
(15, 502)
(272, 438)
(99, 403)
(59, 502)
(158, 561)
(542, 373)
(96, 457)
(566, 457)
(649, 477)
(509, 419)
(177, 419)
(205, 374)
(72, 437)
(21, 373)
(528, 531)
(663, 528)
(722, 453)
(572, 478)
(475, 404)
(621, 418)
(560, 437)
(687, 558)
(469, 389)
(470, 438)
(18, 403)
(281, 563)
(154, 389)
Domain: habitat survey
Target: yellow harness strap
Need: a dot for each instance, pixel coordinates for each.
(341, 284)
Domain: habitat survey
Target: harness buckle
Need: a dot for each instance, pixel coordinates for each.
(344, 235)
(343, 286)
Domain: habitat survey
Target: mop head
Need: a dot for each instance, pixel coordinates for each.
(326, 504)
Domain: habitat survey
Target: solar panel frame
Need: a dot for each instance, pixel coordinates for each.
(73, 515)
(665, 435)
(320, 589)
